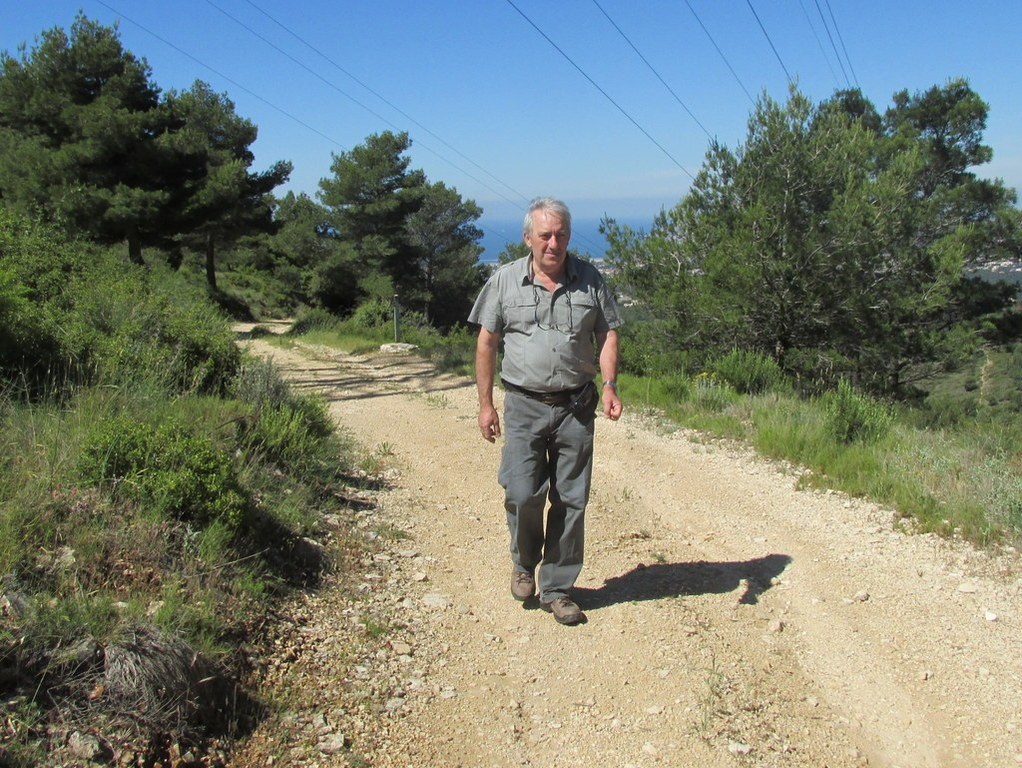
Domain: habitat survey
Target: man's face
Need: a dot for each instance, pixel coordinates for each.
(548, 241)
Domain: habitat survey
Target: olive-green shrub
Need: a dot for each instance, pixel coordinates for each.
(173, 473)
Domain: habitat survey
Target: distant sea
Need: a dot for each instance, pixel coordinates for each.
(585, 235)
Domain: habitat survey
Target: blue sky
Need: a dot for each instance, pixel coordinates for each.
(497, 112)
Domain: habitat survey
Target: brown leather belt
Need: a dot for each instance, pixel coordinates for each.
(564, 397)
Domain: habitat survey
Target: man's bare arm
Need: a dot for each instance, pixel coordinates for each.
(486, 366)
(609, 357)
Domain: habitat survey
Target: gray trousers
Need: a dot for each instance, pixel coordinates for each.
(548, 456)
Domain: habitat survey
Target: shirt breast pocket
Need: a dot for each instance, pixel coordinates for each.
(520, 315)
(584, 313)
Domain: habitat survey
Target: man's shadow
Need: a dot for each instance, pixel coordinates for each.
(660, 580)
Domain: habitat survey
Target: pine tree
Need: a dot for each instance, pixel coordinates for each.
(85, 139)
(370, 197)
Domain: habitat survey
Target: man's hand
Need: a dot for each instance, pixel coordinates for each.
(611, 404)
(489, 423)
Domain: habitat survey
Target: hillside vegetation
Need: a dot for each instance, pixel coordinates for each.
(158, 494)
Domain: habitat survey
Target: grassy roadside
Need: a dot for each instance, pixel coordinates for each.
(160, 495)
(144, 541)
(950, 464)
(955, 480)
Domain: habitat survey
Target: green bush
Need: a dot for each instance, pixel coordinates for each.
(652, 346)
(15, 318)
(285, 436)
(177, 475)
(942, 411)
(163, 330)
(712, 394)
(314, 320)
(73, 314)
(35, 266)
(374, 318)
(750, 373)
(372, 314)
(453, 352)
(286, 428)
(260, 384)
(677, 386)
(853, 417)
(815, 371)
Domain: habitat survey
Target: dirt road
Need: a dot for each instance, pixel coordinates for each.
(733, 620)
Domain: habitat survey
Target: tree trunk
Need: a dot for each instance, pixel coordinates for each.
(210, 261)
(135, 248)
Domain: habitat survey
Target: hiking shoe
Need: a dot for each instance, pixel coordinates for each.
(564, 610)
(523, 585)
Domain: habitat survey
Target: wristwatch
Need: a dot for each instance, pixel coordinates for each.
(611, 384)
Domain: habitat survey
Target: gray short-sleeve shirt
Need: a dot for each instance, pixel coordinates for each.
(549, 339)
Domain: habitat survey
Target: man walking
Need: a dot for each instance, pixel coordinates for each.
(558, 320)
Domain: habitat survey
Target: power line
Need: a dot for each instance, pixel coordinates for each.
(767, 36)
(308, 69)
(393, 106)
(721, 53)
(842, 41)
(219, 74)
(351, 98)
(606, 95)
(819, 42)
(651, 69)
(837, 54)
(389, 103)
